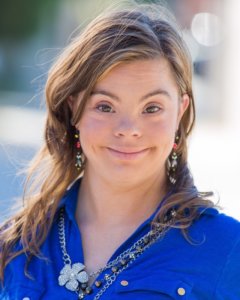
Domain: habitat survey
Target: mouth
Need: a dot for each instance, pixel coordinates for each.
(127, 154)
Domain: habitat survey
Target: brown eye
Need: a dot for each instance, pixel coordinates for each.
(152, 109)
(104, 108)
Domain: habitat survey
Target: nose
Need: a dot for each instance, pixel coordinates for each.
(127, 127)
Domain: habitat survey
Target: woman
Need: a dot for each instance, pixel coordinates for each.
(113, 212)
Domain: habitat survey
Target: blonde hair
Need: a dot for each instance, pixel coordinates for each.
(123, 35)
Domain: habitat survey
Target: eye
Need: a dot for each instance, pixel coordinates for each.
(152, 109)
(104, 108)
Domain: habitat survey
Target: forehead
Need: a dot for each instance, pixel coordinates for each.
(147, 71)
(139, 77)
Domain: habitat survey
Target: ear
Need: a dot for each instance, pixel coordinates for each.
(183, 105)
(71, 103)
(74, 101)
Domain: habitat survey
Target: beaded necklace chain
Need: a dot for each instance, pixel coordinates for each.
(76, 279)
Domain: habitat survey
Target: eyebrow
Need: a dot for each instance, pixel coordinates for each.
(148, 95)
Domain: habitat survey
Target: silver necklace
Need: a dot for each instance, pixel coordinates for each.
(74, 276)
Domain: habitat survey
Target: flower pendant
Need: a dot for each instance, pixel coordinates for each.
(73, 276)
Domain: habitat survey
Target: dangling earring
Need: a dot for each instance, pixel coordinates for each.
(79, 160)
(172, 162)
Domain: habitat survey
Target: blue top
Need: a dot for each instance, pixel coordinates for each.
(171, 268)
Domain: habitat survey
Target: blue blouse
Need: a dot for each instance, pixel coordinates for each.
(171, 268)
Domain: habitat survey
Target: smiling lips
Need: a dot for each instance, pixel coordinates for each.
(127, 154)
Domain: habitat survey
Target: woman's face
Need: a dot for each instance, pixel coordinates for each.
(128, 127)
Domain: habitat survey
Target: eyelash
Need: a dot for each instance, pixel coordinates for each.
(102, 106)
(153, 106)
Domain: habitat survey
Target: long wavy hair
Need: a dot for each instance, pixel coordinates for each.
(120, 35)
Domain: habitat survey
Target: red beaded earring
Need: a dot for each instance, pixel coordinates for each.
(172, 162)
(79, 161)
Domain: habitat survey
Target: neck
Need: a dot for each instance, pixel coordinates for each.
(104, 204)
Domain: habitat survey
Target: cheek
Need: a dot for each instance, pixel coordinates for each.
(164, 129)
(162, 134)
(91, 131)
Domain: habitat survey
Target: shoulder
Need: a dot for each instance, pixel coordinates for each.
(220, 249)
(217, 232)
(27, 280)
(212, 236)
(219, 225)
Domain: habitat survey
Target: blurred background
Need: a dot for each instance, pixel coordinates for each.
(32, 33)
